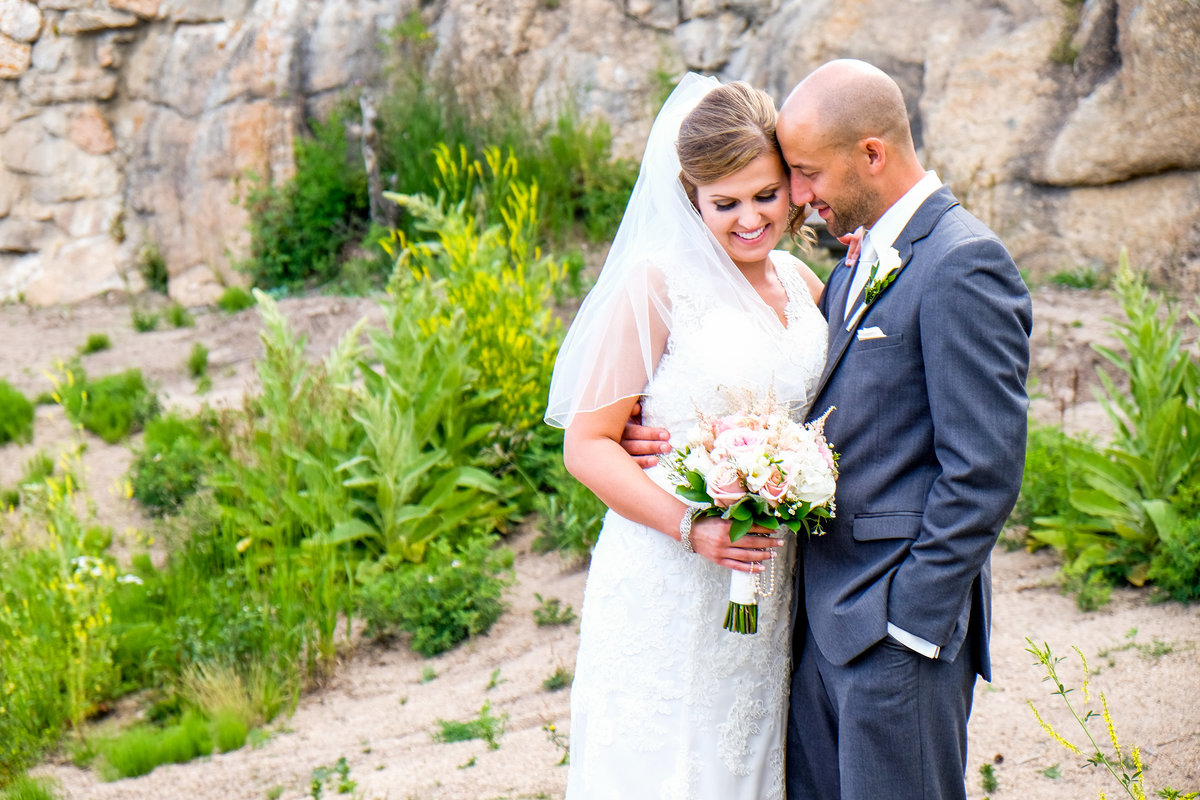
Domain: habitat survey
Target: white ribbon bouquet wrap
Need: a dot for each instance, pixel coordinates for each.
(757, 467)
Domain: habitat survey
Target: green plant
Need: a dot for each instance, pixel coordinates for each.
(172, 461)
(559, 741)
(111, 407)
(1080, 278)
(559, 679)
(26, 788)
(197, 362)
(987, 778)
(340, 772)
(550, 611)
(235, 299)
(298, 230)
(1127, 493)
(95, 343)
(16, 415)
(153, 267)
(139, 749)
(454, 594)
(180, 317)
(487, 727)
(144, 321)
(495, 680)
(1124, 766)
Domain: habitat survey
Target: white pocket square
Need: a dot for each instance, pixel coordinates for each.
(870, 333)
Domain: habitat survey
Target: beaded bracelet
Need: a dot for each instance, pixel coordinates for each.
(685, 528)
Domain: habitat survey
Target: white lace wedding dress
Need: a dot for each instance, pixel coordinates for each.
(666, 704)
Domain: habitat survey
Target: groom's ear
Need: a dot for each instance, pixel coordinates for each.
(875, 153)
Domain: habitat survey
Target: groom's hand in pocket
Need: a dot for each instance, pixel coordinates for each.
(645, 444)
(710, 538)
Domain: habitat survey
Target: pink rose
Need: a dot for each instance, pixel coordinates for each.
(826, 454)
(742, 445)
(724, 485)
(774, 489)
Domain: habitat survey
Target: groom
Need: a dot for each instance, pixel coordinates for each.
(928, 354)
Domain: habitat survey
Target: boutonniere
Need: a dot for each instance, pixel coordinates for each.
(883, 272)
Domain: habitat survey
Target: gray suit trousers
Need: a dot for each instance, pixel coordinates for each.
(843, 744)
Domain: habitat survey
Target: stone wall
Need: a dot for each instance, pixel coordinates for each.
(129, 122)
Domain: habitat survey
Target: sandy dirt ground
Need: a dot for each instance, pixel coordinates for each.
(379, 711)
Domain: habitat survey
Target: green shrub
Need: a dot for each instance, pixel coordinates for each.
(111, 407)
(452, 595)
(197, 362)
(16, 415)
(1047, 481)
(297, 231)
(144, 321)
(175, 455)
(1175, 564)
(235, 299)
(180, 317)
(96, 342)
(1126, 495)
(153, 267)
(229, 730)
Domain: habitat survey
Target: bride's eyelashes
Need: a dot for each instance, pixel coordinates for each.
(768, 197)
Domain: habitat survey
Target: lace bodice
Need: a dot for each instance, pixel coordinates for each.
(711, 360)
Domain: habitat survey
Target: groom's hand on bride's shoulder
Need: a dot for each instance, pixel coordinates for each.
(645, 444)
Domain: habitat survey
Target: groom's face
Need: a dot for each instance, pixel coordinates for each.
(823, 174)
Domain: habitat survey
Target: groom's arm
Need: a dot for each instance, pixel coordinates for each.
(975, 347)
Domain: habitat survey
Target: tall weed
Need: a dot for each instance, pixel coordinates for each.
(1127, 493)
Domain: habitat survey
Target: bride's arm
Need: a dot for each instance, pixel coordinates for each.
(592, 453)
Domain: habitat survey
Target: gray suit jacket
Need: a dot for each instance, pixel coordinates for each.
(930, 425)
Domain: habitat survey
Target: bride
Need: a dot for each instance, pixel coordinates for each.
(694, 308)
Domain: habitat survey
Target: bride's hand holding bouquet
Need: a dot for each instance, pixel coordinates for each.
(756, 469)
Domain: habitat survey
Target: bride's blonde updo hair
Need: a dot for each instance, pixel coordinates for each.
(730, 127)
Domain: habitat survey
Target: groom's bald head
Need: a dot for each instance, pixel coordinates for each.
(847, 100)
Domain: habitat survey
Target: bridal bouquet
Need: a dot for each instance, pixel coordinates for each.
(757, 467)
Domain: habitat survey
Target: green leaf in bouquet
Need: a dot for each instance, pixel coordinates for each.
(739, 528)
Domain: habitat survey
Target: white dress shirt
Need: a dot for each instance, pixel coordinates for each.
(884, 232)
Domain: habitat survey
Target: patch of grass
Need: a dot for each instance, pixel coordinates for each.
(27, 788)
(96, 342)
(235, 299)
(987, 778)
(487, 727)
(16, 415)
(559, 679)
(1081, 278)
(153, 267)
(180, 317)
(197, 362)
(111, 407)
(144, 321)
(338, 775)
(138, 750)
(428, 674)
(550, 611)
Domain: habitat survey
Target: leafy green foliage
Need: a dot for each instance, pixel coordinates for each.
(1127, 493)
(153, 267)
(144, 321)
(111, 407)
(558, 680)
(139, 749)
(235, 299)
(96, 342)
(180, 317)
(551, 611)
(486, 727)
(1047, 480)
(175, 455)
(298, 230)
(197, 362)
(16, 414)
(454, 594)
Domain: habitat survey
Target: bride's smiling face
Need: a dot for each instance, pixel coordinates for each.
(748, 210)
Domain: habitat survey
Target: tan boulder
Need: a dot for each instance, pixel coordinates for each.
(20, 20)
(90, 132)
(14, 57)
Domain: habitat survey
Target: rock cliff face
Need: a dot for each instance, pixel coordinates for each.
(1072, 129)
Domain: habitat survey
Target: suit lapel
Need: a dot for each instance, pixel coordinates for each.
(842, 332)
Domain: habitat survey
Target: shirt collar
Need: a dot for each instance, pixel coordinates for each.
(884, 232)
